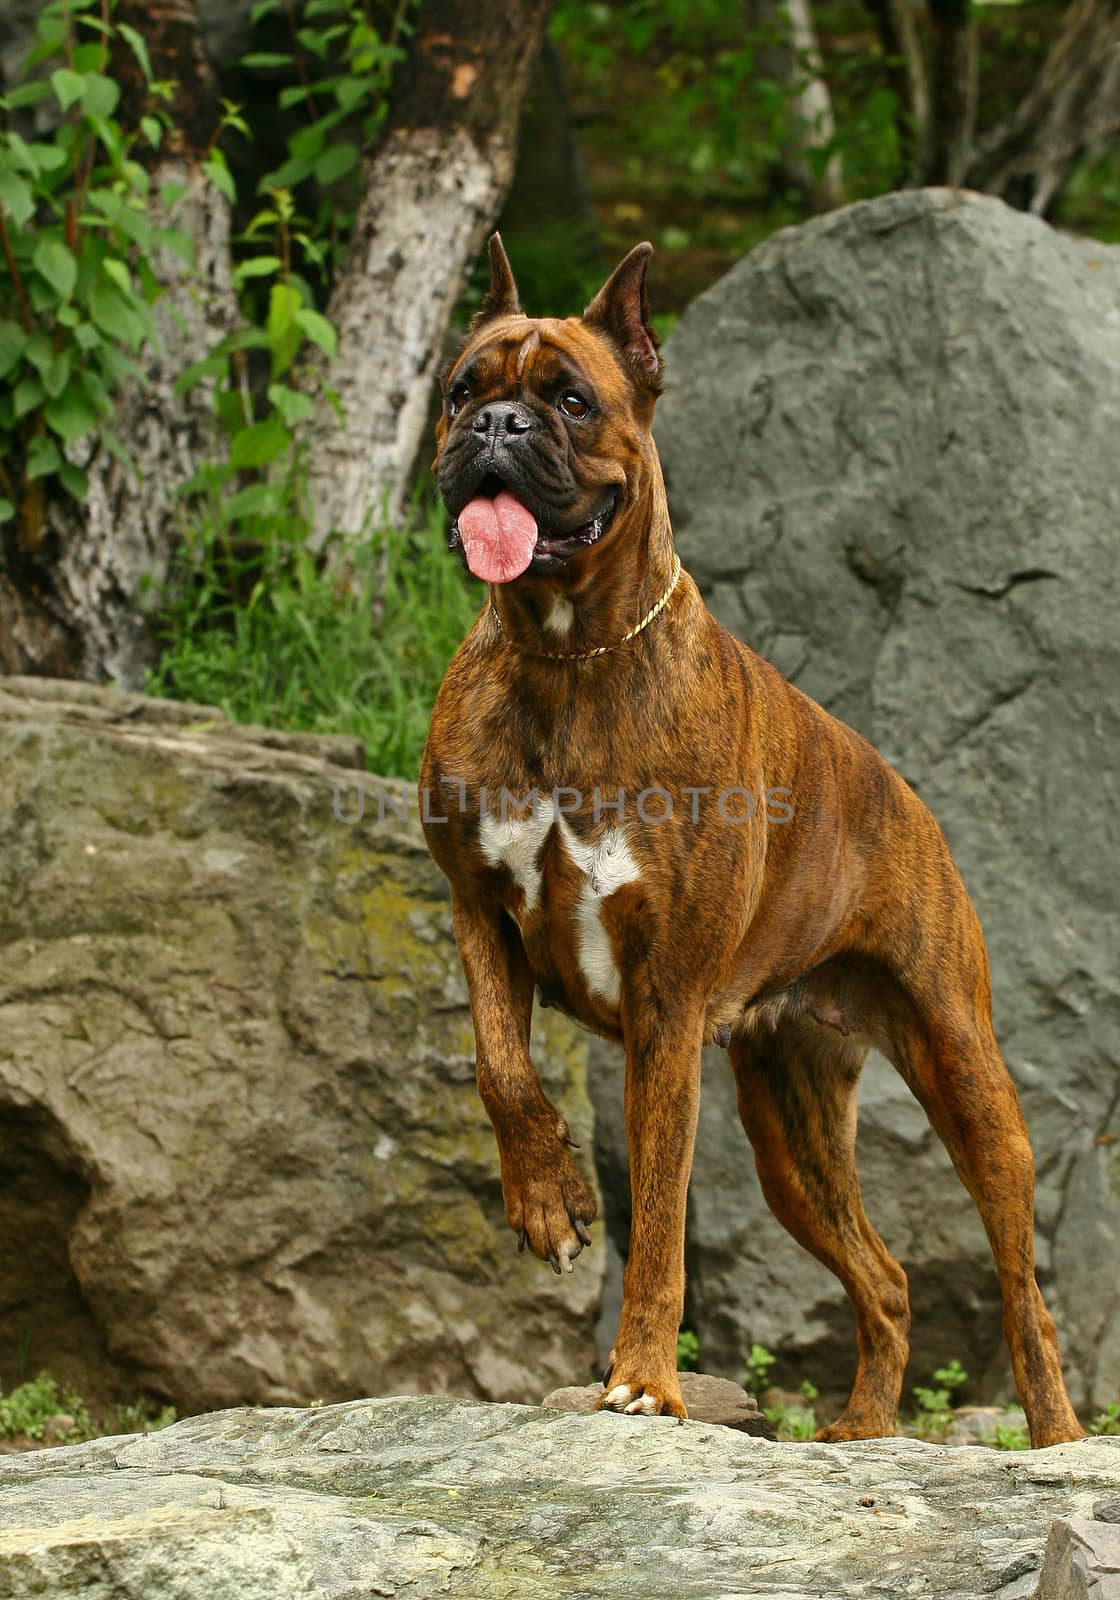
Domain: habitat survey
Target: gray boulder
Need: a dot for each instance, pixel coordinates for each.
(892, 440)
(242, 1152)
(437, 1497)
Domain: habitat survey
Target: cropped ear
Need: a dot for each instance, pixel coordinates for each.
(621, 310)
(501, 298)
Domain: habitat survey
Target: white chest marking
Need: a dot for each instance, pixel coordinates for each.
(561, 617)
(606, 864)
(515, 843)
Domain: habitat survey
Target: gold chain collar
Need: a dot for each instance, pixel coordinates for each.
(586, 655)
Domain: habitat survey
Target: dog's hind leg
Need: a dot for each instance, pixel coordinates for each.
(797, 1100)
(959, 1076)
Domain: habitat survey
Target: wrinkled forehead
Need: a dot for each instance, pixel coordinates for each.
(542, 352)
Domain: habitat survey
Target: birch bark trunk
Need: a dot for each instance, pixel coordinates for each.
(431, 192)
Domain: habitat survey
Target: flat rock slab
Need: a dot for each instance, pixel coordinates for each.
(431, 1497)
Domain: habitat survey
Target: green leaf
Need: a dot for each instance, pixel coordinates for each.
(75, 480)
(180, 244)
(69, 87)
(27, 94)
(286, 176)
(114, 315)
(15, 196)
(352, 91)
(259, 444)
(42, 457)
(212, 366)
(55, 262)
(28, 394)
(152, 129)
(266, 59)
(219, 174)
(256, 267)
(101, 95)
(7, 510)
(283, 304)
(257, 498)
(306, 144)
(318, 330)
(139, 48)
(294, 95)
(39, 350)
(13, 342)
(117, 447)
(118, 272)
(292, 406)
(57, 375)
(48, 157)
(135, 226)
(335, 162)
(86, 336)
(263, 8)
(71, 415)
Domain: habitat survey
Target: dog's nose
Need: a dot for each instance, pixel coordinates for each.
(507, 418)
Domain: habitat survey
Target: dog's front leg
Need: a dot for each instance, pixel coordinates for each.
(548, 1203)
(662, 1104)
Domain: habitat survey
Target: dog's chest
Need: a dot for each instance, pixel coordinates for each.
(561, 880)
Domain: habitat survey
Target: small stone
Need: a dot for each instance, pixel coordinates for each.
(706, 1398)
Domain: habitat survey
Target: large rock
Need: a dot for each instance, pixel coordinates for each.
(892, 438)
(241, 1151)
(429, 1497)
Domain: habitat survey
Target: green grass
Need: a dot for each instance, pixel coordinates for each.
(273, 635)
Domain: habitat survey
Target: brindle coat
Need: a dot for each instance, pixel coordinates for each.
(806, 940)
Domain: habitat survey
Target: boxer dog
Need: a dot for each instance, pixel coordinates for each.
(644, 821)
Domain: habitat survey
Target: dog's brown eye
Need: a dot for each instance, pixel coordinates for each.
(457, 397)
(573, 404)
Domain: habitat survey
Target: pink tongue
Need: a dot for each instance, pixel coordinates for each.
(499, 537)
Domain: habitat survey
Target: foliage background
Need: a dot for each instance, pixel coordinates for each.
(647, 118)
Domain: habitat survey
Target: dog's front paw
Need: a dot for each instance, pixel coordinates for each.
(548, 1204)
(642, 1396)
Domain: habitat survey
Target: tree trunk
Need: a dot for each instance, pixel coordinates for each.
(72, 605)
(951, 75)
(431, 191)
(900, 34)
(1073, 107)
(791, 56)
(133, 519)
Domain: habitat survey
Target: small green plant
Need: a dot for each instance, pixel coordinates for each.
(141, 1416)
(1107, 1421)
(1010, 1436)
(28, 1408)
(935, 1405)
(688, 1350)
(760, 1364)
(795, 1421)
(344, 64)
(25, 1412)
(949, 1379)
